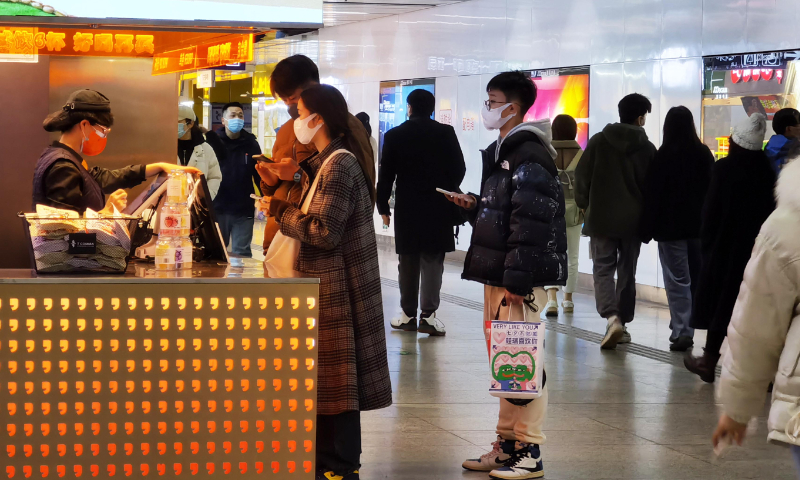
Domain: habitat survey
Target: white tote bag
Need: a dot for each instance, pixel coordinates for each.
(283, 251)
(516, 353)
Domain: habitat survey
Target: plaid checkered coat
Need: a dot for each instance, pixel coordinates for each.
(339, 246)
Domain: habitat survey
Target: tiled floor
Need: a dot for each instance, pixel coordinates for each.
(612, 415)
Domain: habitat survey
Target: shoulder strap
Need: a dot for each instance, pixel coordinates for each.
(574, 163)
(313, 189)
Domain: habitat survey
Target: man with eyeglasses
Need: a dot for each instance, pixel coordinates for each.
(519, 246)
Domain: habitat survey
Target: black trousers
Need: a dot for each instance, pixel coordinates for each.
(427, 267)
(339, 443)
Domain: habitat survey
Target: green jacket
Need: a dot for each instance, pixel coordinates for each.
(610, 178)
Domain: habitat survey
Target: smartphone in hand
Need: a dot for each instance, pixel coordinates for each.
(449, 194)
(263, 159)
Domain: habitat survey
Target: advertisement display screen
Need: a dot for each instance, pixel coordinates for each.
(394, 96)
(563, 91)
(154, 12)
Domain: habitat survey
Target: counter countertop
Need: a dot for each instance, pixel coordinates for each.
(239, 271)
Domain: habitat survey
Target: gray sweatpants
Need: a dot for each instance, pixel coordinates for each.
(615, 256)
(427, 267)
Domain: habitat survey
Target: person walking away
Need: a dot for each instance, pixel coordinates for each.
(519, 245)
(233, 205)
(363, 117)
(786, 125)
(609, 187)
(764, 334)
(195, 151)
(675, 189)
(421, 155)
(338, 245)
(740, 198)
(569, 152)
(284, 179)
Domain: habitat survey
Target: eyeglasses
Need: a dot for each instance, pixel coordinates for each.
(489, 103)
(103, 132)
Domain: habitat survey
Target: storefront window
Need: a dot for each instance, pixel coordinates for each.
(737, 86)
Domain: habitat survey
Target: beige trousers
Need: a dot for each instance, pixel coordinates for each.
(523, 424)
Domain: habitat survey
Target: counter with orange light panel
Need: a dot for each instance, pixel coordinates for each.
(208, 376)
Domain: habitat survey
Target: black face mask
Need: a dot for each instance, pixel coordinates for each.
(293, 111)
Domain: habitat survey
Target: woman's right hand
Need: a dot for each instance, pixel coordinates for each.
(118, 199)
(467, 202)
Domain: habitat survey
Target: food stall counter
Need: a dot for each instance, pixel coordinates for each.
(209, 375)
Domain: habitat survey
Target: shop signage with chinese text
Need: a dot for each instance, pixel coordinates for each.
(31, 41)
(210, 55)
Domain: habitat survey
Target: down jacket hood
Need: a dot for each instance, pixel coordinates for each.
(541, 128)
(626, 138)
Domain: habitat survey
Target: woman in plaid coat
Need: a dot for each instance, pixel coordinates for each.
(338, 245)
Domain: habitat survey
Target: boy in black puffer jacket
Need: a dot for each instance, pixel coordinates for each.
(519, 245)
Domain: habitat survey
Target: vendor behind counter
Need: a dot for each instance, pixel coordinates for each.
(63, 179)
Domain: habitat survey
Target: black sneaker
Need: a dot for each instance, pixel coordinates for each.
(432, 326)
(682, 344)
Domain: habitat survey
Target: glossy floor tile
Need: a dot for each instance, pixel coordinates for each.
(612, 415)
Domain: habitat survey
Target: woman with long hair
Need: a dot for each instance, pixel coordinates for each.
(569, 151)
(338, 245)
(677, 183)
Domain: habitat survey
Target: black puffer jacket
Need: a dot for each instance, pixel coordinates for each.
(519, 239)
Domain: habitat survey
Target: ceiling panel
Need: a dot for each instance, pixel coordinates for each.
(339, 12)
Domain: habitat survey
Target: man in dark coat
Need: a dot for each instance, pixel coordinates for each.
(519, 246)
(609, 186)
(421, 155)
(739, 200)
(232, 205)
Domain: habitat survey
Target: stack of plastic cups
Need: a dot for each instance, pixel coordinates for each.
(174, 247)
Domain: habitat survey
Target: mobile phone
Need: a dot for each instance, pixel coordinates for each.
(255, 197)
(264, 159)
(449, 194)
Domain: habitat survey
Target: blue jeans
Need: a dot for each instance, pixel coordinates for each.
(680, 260)
(238, 231)
(796, 455)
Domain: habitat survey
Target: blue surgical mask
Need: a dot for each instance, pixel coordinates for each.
(181, 129)
(235, 125)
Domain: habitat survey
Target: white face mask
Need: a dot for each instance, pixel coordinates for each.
(303, 132)
(493, 119)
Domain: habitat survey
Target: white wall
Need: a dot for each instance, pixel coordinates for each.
(653, 47)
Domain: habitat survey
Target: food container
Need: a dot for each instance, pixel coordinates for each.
(79, 245)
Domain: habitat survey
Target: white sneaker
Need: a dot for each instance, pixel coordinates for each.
(501, 452)
(568, 306)
(614, 333)
(432, 326)
(551, 309)
(525, 463)
(626, 337)
(404, 323)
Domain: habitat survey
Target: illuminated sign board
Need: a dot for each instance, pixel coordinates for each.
(21, 43)
(218, 54)
(210, 13)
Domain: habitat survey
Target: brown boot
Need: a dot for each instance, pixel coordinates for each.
(705, 366)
